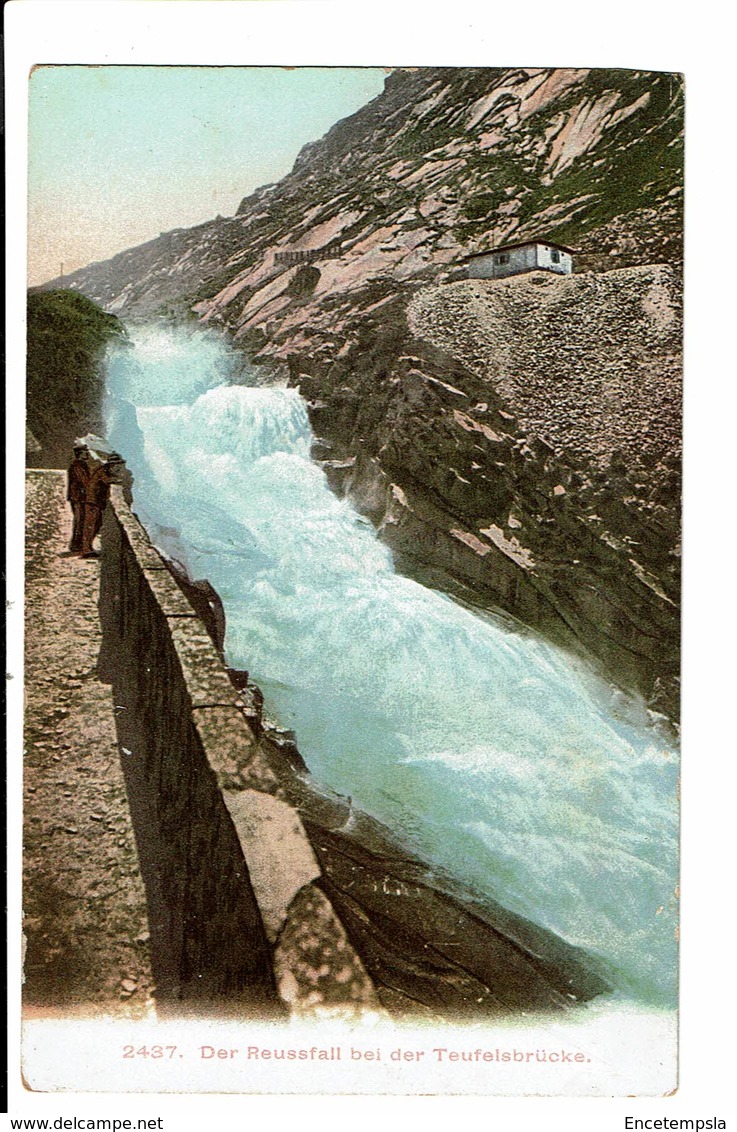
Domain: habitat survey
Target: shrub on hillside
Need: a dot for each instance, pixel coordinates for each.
(67, 336)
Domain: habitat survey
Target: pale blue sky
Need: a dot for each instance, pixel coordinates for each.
(119, 154)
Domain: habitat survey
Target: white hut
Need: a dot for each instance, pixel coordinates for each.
(514, 259)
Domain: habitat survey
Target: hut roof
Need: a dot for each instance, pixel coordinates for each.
(521, 244)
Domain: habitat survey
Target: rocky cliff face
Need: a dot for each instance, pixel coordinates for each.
(590, 367)
(503, 487)
(515, 441)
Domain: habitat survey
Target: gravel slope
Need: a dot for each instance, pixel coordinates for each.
(591, 363)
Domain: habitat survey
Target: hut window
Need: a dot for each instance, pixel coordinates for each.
(555, 256)
(502, 259)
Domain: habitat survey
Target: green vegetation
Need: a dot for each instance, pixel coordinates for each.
(67, 336)
(637, 163)
(497, 173)
(642, 159)
(478, 206)
(421, 139)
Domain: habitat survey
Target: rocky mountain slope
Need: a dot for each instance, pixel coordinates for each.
(444, 162)
(515, 442)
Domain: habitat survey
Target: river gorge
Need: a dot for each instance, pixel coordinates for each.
(503, 762)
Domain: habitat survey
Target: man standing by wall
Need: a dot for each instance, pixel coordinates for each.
(97, 493)
(77, 480)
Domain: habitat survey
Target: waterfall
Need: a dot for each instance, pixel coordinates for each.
(492, 754)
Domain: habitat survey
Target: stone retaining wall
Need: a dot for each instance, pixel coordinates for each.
(238, 922)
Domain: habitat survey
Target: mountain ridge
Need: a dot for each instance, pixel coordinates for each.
(461, 158)
(580, 545)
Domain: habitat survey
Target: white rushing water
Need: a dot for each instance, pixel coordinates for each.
(490, 753)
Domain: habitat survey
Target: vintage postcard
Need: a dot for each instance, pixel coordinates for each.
(353, 436)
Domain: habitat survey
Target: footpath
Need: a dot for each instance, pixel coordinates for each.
(85, 920)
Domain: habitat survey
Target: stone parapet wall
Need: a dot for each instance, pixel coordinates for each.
(238, 923)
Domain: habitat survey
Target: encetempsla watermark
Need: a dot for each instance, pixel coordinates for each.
(696, 1123)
